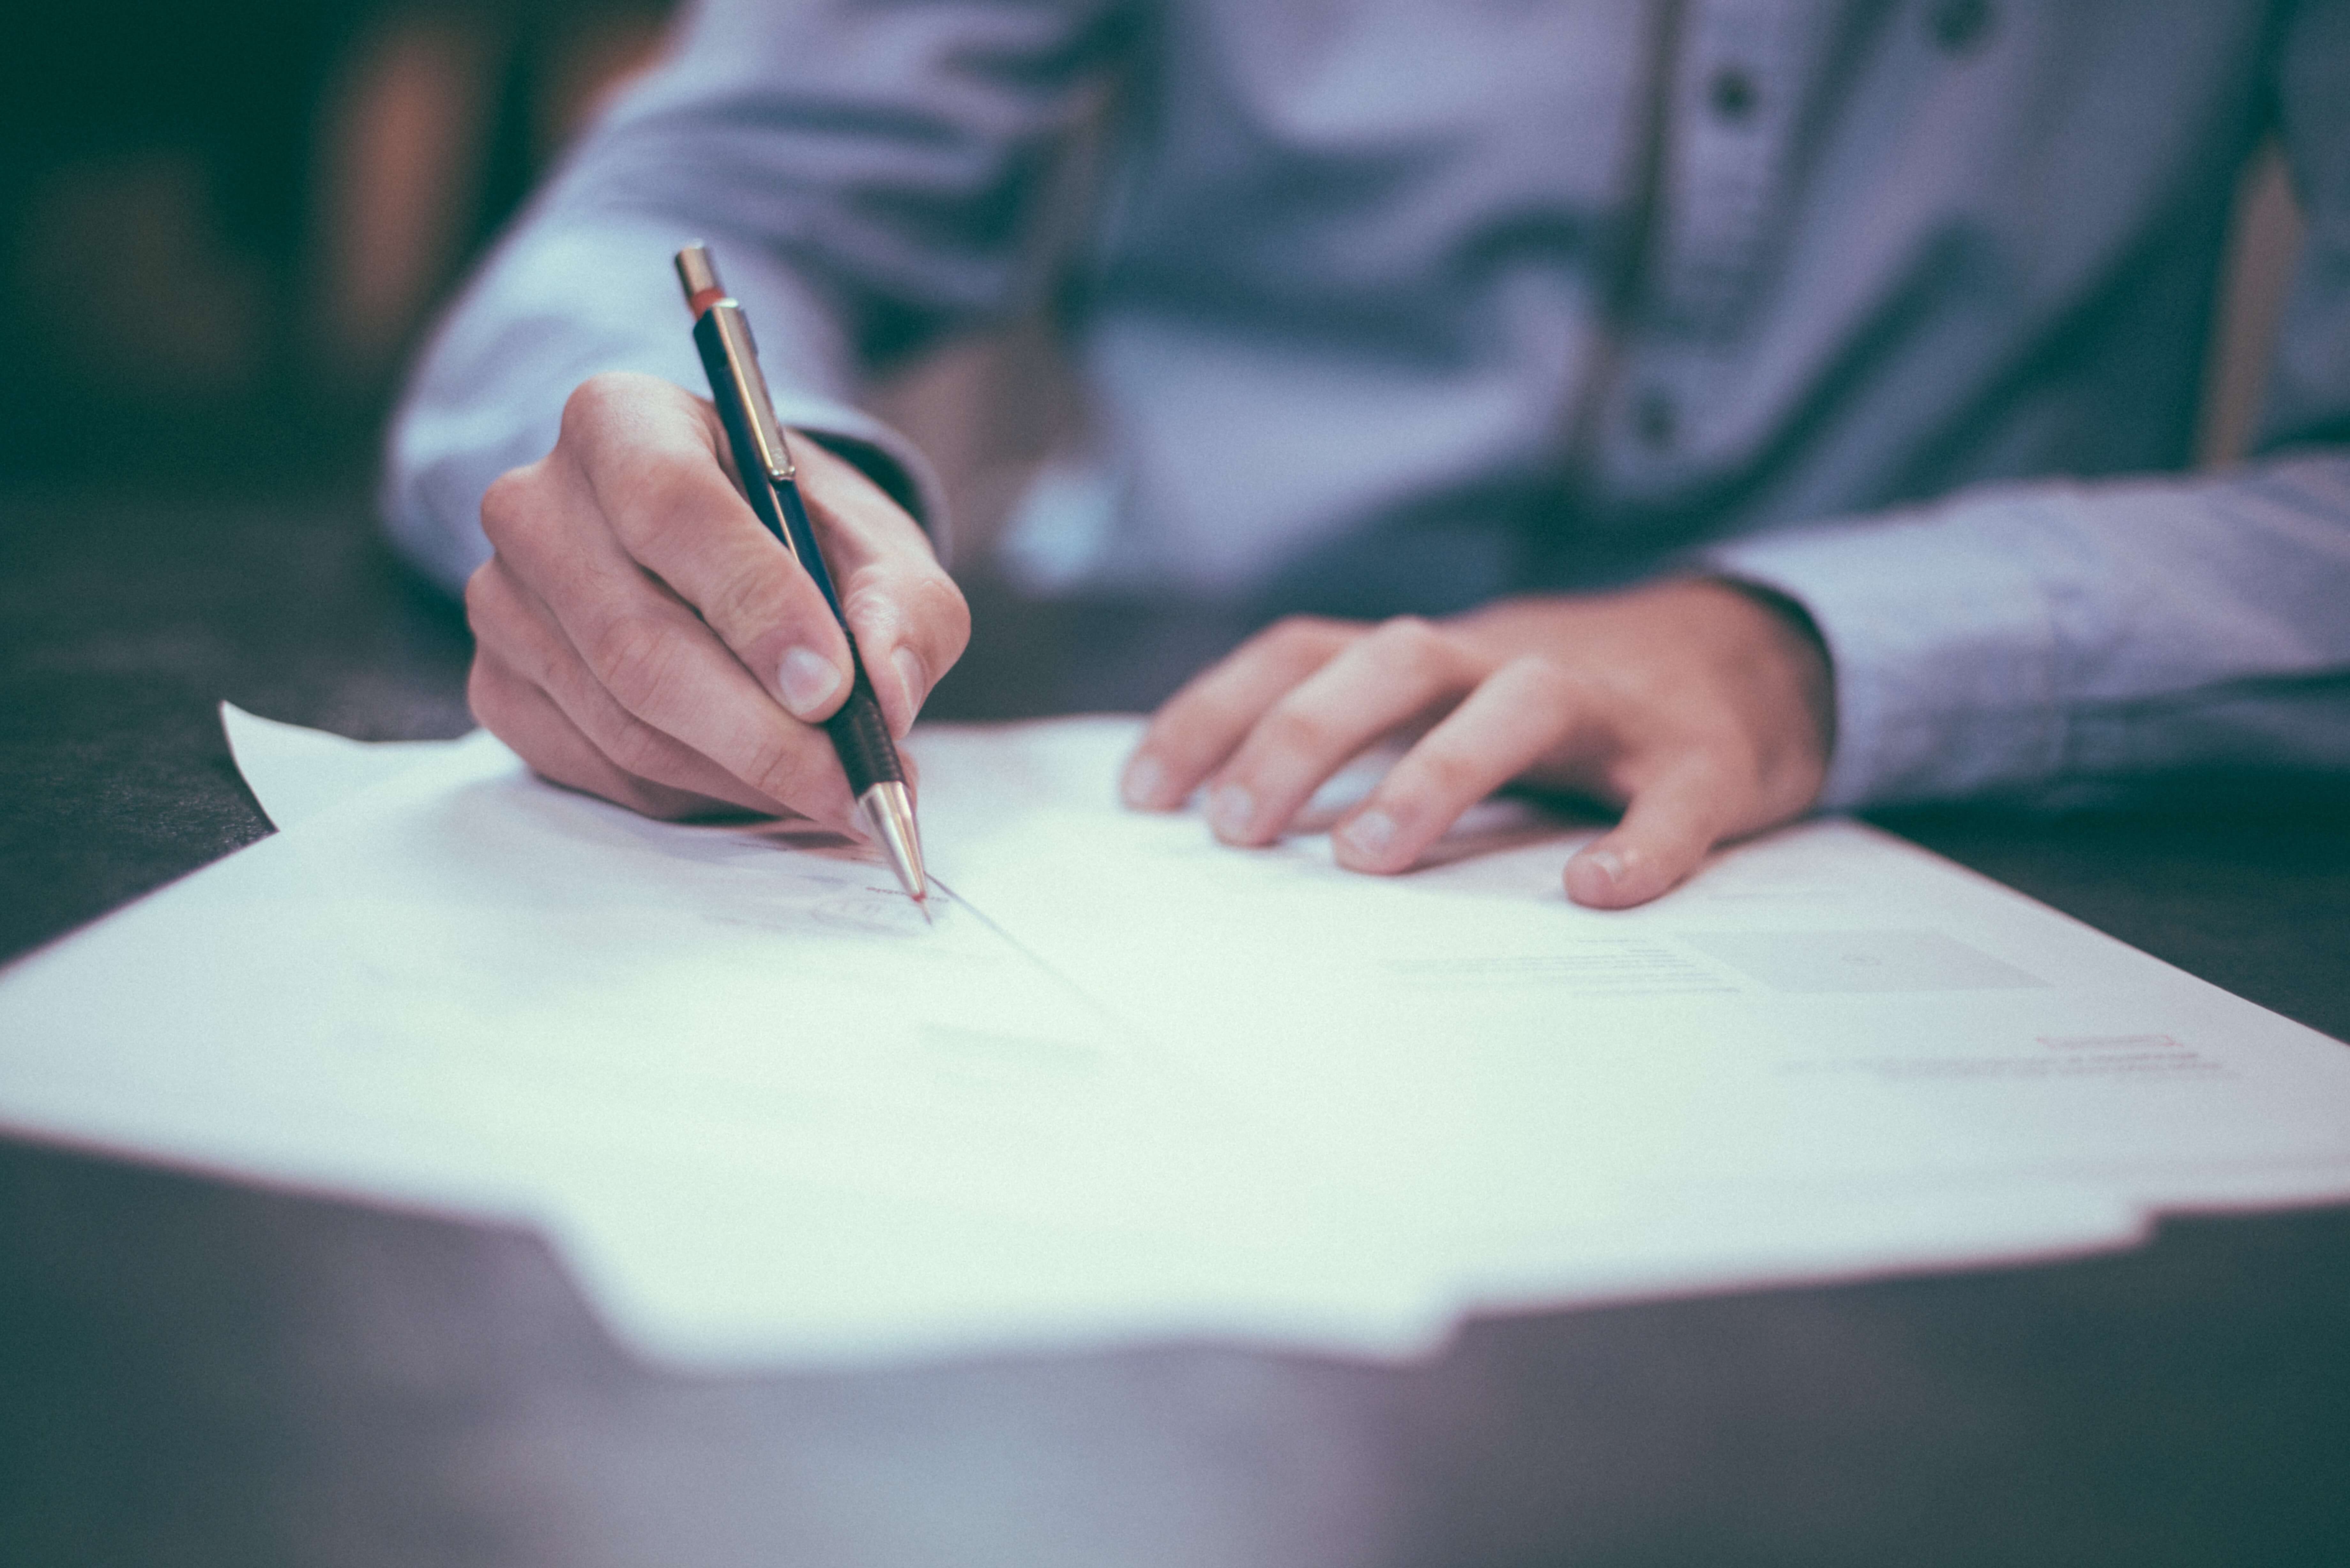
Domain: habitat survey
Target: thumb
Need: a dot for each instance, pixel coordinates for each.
(1667, 827)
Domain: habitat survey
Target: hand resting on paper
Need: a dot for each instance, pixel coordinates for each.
(640, 636)
(1705, 711)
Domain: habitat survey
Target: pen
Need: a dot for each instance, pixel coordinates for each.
(730, 359)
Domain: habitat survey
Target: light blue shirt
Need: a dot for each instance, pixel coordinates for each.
(1396, 305)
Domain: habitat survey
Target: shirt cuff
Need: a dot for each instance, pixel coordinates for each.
(558, 309)
(1942, 643)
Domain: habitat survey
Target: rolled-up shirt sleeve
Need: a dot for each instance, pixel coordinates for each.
(863, 174)
(2021, 641)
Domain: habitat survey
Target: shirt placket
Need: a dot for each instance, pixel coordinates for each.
(1735, 89)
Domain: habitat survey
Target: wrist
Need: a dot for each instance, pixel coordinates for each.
(1792, 635)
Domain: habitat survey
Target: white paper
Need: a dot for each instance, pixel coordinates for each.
(1828, 1003)
(751, 1092)
(1131, 1084)
(295, 773)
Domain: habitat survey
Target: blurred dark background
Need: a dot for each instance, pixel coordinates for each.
(223, 230)
(223, 227)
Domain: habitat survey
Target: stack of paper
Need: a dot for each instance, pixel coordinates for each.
(1131, 1084)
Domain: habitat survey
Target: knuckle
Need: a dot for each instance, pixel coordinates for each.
(1448, 775)
(631, 656)
(1552, 688)
(1290, 729)
(921, 607)
(1172, 734)
(496, 614)
(665, 503)
(481, 599)
(598, 401)
(779, 768)
(877, 611)
(635, 748)
(510, 506)
(746, 599)
(1410, 640)
(487, 695)
(1299, 635)
(939, 608)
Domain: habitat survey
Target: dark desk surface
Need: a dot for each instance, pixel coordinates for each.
(196, 1372)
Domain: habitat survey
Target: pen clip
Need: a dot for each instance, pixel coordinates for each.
(706, 296)
(751, 388)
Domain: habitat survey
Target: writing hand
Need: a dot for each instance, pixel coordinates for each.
(640, 636)
(1705, 711)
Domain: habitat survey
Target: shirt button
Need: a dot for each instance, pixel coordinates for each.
(1958, 26)
(1656, 420)
(1731, 94)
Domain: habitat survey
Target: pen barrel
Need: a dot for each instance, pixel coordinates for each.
(862, 739)
(858, 731)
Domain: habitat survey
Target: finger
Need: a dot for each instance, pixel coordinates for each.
(1377, 684)
(529, 722)
(910, 621)
(1195, 730)
(513, 627)
(1527, 709)
(1667, 827)
(657, 658)
(650, 458)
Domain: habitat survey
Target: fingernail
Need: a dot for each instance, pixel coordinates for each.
(1608, 864)
(915, 678)
(807, 678)
(1230, 811)
(1143, 781)
(1369, 834)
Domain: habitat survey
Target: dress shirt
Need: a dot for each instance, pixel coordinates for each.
(1899, 310)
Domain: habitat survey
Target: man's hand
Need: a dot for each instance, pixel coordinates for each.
(1703, 710)
(640, 636)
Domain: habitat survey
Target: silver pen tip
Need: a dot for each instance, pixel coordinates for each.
(889, 813)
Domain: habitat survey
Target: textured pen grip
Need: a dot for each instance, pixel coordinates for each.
(862, 739)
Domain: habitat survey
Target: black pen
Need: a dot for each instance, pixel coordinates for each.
(730, 359)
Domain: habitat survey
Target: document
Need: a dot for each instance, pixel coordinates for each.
(1131, 1085)
(1828, 1003)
